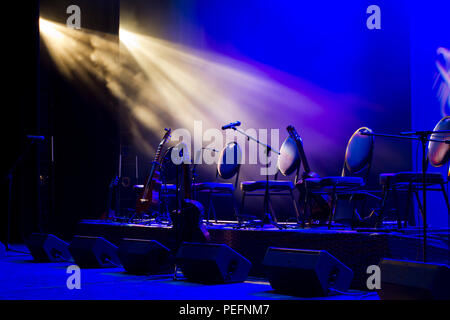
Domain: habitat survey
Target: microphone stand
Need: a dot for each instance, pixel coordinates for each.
(268, 219)
(423, 137)
(198, 156)
(194, 170)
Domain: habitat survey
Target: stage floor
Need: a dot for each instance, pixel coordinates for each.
(357, 249)
(23, 279)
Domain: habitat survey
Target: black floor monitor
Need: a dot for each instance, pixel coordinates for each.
(306, 273)
(48, 248)
(212, 263)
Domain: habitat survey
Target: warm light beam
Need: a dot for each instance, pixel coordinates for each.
(163, 84)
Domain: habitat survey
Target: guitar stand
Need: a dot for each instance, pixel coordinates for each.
(163, 218)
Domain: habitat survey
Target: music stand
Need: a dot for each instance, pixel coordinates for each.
(423, 137)
(268, 219)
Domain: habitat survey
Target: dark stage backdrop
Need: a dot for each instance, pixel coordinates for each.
(337, 74)
(344, 75)
(430, 39)
(83, 124)
(20, 114)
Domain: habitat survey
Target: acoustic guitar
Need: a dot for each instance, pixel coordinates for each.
(320, 208)
(150, 193)
(188, 218)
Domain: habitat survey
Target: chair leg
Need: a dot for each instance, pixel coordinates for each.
(306, 208)
(213, 208)
(333, 207)
(235, 208)
(385, 190)
(363, 206)
(272, 212)
(352, 202)
(408, 204)
(399, 218)
(297, 214)
(209, 206)
(419, 204)
(444, 192)
(241, 209)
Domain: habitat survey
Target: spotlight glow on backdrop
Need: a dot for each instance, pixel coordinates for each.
(442, 81)
(163, 84)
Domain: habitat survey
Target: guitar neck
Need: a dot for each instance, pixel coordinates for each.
(157, 161)
(298, 141)
(306, 167)
(158, 153)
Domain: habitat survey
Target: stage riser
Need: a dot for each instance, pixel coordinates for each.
(356, 250)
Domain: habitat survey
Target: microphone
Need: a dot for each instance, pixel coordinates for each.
(215, 150)
(231, 125)
(31, 137)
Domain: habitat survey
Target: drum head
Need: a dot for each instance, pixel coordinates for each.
(438, 152)
(289, 158)
(229, 160)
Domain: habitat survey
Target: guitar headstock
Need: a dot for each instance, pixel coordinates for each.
(293, 133)
(162, 143)
(166, 135)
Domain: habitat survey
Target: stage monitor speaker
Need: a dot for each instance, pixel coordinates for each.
(305, 273)
(48, 248)
(407, 280)
(144, 256)
(89, 252)
(211, 263)
(2, 250)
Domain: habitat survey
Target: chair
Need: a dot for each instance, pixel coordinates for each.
(357, 164)
(412, 182)
(288, 162)
(228, 167)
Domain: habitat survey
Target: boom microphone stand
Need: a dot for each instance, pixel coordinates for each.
(423, 137)
(268, 219)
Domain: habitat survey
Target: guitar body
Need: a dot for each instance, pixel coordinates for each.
(319, 207)
(188, 220)
(149, 196)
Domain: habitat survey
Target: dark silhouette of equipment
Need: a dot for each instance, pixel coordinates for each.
(187, 219)
(318, 205)
(144, 256)
(48, 248)
(2, 250)
(306, 273)
(90, 252)
(212, 263)
(407, 280)
(152, 186)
